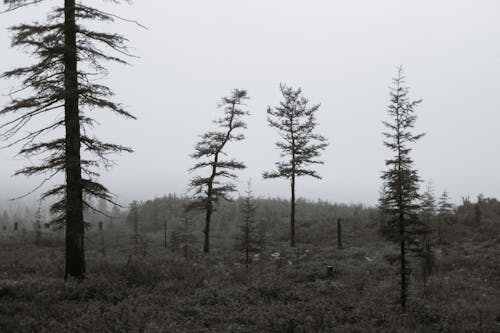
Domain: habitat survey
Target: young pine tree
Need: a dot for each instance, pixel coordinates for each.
(428, 204)
(445, 210)
(209, 151)
(401, 180)
(133, 221)
(58, 95)
(182, 238)
(427, 215)
(248, 239)
(295, 120)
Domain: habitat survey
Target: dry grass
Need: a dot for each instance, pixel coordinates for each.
(162, 292)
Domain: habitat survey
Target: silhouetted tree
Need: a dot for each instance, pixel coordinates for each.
(248, 240)
(401, 179)
(182, 238)
(69, 56)
(295, 119)
(428, 204)
(427, 214)
(445, 210)
(210, 153)
(133, 221)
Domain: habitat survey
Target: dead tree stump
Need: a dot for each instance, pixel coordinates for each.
(330, 272)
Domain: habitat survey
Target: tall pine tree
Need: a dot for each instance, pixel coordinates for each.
(59, 95)
(401, 180)
(295, 120)
(209, 152)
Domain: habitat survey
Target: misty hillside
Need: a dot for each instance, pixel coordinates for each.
(156, 289)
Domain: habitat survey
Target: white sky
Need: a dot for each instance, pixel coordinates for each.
(342, 53)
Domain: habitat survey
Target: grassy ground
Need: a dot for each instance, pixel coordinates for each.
(163, 292)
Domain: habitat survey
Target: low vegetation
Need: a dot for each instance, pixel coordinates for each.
(160, 290)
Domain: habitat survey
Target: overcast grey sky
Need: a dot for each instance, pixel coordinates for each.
(342, 53)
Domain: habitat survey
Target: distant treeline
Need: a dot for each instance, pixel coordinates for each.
(272, 215)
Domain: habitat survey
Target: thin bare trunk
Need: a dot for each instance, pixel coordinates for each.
(208, 216)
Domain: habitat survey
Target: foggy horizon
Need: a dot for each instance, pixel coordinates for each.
(342, 54)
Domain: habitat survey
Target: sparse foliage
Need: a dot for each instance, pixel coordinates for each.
(133, 221)
(69, 55)
(401, 180)
(209, 152)
(427, 215)
(445, 210)
(295, 120)
(428, 204)
(248, 239)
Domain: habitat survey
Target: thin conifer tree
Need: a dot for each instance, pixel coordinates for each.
(401, 181)
(295, 120)
(134, 223)
(427, 215)
(247, 240)
(445, 210)
(428, 204)
(210, 153)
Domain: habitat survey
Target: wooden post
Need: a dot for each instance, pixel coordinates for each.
(165, 232)
(339, 233)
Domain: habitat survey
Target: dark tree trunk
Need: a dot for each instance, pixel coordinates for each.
(208, 216)
(403, 261)
(292, 213)
(75, 255)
